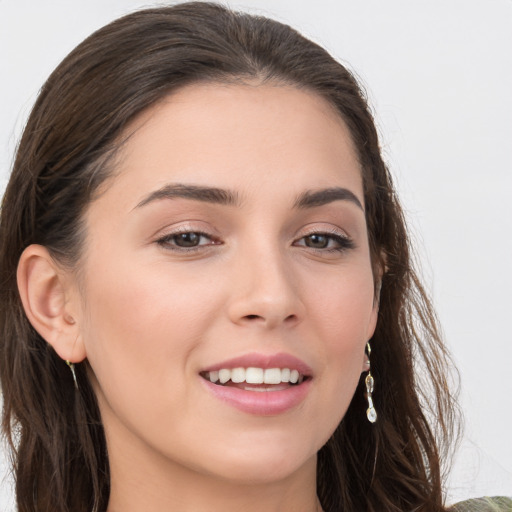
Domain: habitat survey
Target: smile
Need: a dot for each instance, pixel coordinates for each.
(258, 384)
(273, 377)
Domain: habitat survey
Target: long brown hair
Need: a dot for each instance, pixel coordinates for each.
(68, 149)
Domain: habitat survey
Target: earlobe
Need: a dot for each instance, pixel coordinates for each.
(44, 293)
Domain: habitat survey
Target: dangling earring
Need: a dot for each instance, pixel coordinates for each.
(371, 413)
(72, 368)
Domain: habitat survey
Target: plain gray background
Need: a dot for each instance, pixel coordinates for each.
(439, 77)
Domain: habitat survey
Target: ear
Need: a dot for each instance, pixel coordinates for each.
(374, 316)
(46, 291)
(372, 324)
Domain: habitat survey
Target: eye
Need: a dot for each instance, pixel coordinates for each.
(325, 241)
(186, 240)
(191, 239)
(317, 241)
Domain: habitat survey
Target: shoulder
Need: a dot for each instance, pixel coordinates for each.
(496, 504)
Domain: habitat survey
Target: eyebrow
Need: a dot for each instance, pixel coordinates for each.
(308, 199)
(194, 192)
(313, 198)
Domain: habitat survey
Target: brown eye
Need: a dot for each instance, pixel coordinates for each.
(187, 241)
(317, 241)
(325, 242)
(190, 239)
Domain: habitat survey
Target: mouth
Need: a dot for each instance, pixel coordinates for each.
(259, 384)
(256, 379)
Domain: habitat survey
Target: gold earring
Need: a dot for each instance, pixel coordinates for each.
(369, 381)
(72, 368)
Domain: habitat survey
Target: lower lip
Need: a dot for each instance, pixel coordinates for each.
(261, 403)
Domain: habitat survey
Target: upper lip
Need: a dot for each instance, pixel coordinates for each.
(265, 361)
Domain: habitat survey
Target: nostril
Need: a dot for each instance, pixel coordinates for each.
(252, 317)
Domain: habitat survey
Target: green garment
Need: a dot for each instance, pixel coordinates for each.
(497, 504)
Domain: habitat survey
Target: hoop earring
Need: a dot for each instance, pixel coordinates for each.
(72, 368)
(369, 381)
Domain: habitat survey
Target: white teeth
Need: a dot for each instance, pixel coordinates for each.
(238, 375)
(255, 376)
(272, 376)
(224, 375)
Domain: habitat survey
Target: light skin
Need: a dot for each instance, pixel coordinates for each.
(281, 264)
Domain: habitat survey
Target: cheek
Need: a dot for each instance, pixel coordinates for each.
(343, 305)
(344, 313)
(141, 322)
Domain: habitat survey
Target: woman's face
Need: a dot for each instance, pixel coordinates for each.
(232, 236)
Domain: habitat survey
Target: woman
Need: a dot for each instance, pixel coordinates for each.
(207, 295)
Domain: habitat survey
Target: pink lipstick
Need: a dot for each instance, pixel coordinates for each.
(259, 384)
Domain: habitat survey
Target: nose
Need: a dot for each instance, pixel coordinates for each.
(265, 291)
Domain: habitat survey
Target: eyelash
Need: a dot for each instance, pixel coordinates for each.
(343, 242)
(167, 241)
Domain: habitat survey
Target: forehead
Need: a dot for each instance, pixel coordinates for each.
(228, 134)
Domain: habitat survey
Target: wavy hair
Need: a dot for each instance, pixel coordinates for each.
(68, 150)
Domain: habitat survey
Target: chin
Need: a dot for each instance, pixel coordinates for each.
(265, 471)
(263, 459)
